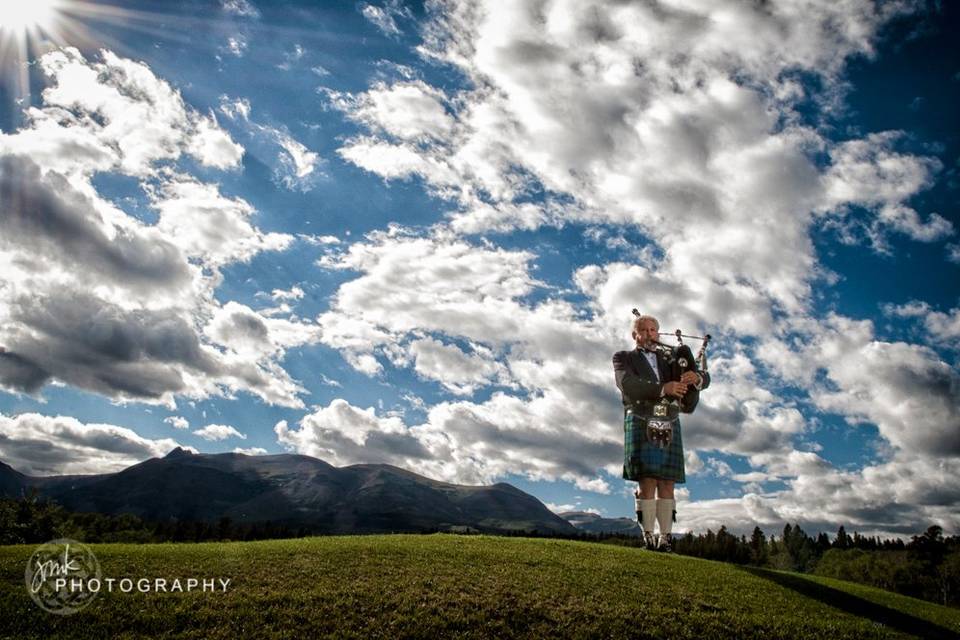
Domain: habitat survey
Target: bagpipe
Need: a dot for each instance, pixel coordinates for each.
(680, 358)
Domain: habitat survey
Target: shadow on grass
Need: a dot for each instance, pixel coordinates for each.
(855, 605)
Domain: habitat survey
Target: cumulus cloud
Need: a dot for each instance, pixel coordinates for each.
(177, 422)
(46, 217)
(100, 299)
(456, 370)
(869, 173)
(251, 451)
(906, 390)
(140, 118)
(407, 110)
(892, 498)
(649, 116)
(209, 226)
(213, 146)
(217, 432)
(942, 327)
(41, 445)
(343, 434)
(461, 442)
(246, 332)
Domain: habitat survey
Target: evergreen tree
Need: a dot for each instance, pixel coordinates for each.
(758, 547)
(842, 541)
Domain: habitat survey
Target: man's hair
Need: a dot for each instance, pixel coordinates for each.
(643, 318)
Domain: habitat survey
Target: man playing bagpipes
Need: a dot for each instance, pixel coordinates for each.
(657, 383)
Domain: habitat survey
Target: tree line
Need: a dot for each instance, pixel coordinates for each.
(927, 567)
(35, 520)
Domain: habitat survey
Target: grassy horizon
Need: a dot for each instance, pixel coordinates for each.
(441, 585)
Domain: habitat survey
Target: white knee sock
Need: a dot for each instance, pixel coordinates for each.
(648, 513)
(665, 509)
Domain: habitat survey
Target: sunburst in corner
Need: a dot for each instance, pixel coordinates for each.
(27, 27)
(31, 28)
(26, 16)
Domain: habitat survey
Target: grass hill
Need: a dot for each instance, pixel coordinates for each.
(440, 586)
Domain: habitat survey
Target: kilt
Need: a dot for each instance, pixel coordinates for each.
(643, 458)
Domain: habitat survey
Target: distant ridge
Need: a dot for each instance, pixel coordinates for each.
(293, 490)
(593, 523)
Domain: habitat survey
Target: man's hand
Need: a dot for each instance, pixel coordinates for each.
(676, 389)
(690, 377)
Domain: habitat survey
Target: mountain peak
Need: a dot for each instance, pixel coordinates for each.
(179, 452)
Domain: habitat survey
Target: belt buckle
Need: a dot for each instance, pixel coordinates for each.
(660, 410)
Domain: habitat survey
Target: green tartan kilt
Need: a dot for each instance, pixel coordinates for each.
(643, 458)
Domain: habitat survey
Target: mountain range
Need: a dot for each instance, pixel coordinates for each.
(294, 490)
(593, 523)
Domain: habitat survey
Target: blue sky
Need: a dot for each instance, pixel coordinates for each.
(389, 232)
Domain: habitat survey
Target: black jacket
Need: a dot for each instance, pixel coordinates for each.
(639, 388)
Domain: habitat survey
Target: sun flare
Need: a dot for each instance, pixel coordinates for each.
(26, 15)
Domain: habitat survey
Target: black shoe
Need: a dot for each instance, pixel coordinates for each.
(665, 545)
(650, 541)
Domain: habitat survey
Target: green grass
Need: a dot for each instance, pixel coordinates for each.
(464, 587)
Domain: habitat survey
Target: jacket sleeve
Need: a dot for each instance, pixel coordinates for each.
(632, 386)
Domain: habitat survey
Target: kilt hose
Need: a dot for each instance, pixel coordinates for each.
(643, 458)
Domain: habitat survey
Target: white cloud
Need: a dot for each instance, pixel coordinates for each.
(385, 17)
(342, 434)
(942, 328)
(238, 108)
(243, 8)
(299, 163)
(898, 497)
(177, 422)
(290, 58)
(244, 331)
(295, 293)
(296, 167)
(97, 298)
(237, 45)
(405, 110)
(217, 432)
(251, 451)
(132, 112)
(41, 445)
(561, 508)
(869, 173)
(209, 226)
(650, 117)
(213, 147)
(459, 372)
(906, 390)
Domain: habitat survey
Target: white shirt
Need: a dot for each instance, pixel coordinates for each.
(651, 357)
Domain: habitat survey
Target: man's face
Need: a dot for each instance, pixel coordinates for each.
(645, 333)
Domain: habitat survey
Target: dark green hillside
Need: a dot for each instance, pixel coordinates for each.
(462, 586)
